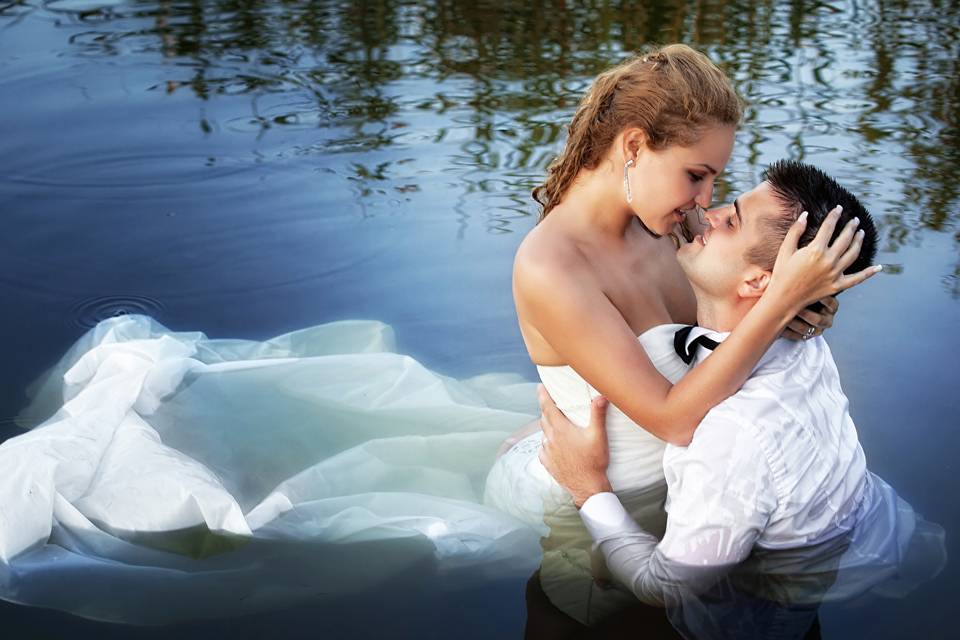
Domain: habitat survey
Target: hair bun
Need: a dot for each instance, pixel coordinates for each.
(656, 57)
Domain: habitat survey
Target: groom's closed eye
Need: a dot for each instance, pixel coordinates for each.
(736, 208)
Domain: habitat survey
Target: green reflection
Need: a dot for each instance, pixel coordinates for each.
(483, 89)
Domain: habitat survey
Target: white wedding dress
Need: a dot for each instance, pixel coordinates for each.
(168, 476)
(188, 477)
(178, 477)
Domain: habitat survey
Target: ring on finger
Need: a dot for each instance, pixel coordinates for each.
(809, 332)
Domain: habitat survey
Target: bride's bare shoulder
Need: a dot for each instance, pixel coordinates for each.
(548, 253)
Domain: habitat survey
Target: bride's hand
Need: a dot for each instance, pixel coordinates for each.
(802, 276)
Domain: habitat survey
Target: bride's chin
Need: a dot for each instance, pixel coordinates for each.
(662, 229)
(658, 227)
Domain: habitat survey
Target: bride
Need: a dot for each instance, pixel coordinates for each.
(174, 476)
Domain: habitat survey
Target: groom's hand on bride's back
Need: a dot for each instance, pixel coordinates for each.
(576, 457)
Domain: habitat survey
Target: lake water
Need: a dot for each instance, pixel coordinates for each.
(249, 168)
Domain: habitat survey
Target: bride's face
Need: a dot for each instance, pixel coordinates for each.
(671, 181)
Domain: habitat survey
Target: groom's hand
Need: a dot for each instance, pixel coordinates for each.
(577, 458)
(809, 323)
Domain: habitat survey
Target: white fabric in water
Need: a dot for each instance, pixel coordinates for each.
(177, 476)
(172, 477)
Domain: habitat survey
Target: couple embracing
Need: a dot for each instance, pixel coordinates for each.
(702, 330)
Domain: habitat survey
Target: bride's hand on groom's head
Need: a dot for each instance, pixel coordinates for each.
(805, 275)
(576, 457)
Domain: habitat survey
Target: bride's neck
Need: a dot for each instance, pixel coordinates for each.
(596, 200)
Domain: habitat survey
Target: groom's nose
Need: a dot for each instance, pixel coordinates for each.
(716, 217)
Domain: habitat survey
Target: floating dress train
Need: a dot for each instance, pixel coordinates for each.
(178, 477)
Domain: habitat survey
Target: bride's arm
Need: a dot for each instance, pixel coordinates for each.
(585, 328)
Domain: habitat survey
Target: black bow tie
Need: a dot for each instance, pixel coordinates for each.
(680, 343)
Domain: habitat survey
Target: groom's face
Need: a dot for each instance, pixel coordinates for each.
(715, 262)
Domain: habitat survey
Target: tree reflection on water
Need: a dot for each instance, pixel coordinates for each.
(483, 90)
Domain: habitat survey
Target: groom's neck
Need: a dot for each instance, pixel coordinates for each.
(721, 315)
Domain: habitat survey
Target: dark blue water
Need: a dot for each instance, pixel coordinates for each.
(250, 168)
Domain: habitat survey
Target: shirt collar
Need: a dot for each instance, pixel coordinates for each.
(780, 352)
(703, 352)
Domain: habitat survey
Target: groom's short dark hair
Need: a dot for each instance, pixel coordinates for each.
(801, 187)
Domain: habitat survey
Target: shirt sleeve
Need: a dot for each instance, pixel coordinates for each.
(720, 498)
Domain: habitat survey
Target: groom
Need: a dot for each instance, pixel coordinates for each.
(777, 465)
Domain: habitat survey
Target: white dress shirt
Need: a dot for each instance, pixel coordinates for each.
(777, 465)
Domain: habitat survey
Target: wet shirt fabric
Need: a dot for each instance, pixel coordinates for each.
(777, 467)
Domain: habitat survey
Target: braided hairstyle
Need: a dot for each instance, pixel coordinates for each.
(672, 93)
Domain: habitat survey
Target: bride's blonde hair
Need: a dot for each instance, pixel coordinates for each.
(672, 93)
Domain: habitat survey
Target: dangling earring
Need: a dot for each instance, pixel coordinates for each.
(626, 180)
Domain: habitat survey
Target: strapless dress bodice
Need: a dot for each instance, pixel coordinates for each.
(635, 454)
(519, 485)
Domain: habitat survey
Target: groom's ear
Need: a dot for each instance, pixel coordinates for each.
(755, 282)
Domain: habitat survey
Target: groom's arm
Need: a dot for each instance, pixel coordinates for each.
(719, 501)
(636, 559)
